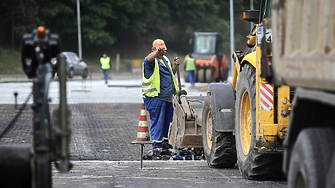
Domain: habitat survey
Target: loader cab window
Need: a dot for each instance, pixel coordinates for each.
(204, 44)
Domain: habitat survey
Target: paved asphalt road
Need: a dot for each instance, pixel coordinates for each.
(122, 88)
(162, 174)
(105, 120)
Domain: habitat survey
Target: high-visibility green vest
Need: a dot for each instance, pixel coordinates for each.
(151, 86)
(105, 63)
(190, 64)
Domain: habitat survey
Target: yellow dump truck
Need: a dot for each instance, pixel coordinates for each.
(304, 58)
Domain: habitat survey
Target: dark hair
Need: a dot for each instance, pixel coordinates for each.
(190, 55)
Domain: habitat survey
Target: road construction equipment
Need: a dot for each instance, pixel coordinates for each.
(303, 57)
(20, 167)
(246, 121)
(185, 130)
(211, 64)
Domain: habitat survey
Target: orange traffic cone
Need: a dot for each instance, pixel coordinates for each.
(143, 135)
(143, 130)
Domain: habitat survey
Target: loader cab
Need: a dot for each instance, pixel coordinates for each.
(257, 16)
(211, 64)
(207, 43)
(261, 36)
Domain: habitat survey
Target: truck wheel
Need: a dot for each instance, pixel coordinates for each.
(201, 75)
(251, 163)
(186, 76)
(311, 158)
(209, 75)
(219, 148)
(330, 176)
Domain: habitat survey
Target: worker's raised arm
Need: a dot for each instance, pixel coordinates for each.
(151, 57)
(156, 52)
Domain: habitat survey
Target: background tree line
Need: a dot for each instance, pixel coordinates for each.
(126, 25)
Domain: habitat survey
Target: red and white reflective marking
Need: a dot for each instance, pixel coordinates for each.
(266, 93)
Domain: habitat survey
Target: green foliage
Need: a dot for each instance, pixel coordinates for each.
(97, 37)
(125, 23)
(10, 62)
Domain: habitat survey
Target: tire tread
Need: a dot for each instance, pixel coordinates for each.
(257, 166)
(223, 152)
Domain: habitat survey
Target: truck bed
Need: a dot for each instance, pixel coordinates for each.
(305, 42)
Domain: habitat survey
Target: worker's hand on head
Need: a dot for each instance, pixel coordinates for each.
(160, 51)
(176, 61)
(157, 52)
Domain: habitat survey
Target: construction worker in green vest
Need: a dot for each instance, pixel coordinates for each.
(159, 84)
(190, 67)
(105, 66)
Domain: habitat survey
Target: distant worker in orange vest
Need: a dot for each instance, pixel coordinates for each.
(105, 66)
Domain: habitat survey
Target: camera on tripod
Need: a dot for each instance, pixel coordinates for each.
(37, 48)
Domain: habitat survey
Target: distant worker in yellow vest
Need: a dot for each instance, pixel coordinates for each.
(159, 84)
(105, 66)
(190, 67)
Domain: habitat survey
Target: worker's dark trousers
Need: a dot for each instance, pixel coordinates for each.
(161, 113)
(191, 77)
(105, 71)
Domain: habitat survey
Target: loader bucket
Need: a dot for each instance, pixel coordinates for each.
(185, 129)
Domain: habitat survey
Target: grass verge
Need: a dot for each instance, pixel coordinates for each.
(10, 62)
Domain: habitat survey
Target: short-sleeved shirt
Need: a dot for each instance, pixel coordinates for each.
(165, 74)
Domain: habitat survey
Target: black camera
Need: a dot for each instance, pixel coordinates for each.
(37, 48)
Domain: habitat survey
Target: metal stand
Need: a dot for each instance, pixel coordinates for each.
(142, 145)
(15, 95)
(83, 84)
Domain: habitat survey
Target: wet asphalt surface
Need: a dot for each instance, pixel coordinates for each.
(100, 148)
(99, 131)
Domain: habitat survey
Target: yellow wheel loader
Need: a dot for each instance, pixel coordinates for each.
(246, 121)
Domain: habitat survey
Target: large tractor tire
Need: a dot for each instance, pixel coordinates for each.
(15, 163)
(209, 75)
(252, 164)
(311, 158)
(201, 75)
(219, 147)
(330, 176)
